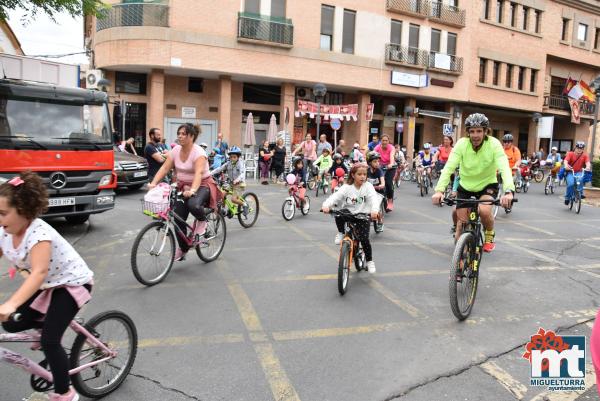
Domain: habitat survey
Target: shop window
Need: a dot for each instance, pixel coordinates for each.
(195, 85)
(129, 82)
(261, 94)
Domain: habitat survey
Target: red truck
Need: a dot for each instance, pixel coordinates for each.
(64, 135)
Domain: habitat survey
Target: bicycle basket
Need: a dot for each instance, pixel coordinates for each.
(153, 209)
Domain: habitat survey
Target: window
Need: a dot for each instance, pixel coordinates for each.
(327, 13)
(453, 3)
(485, 9)
(513, 14)
(195, 85)
(582, 31)
(261, 94)
(495, 78)
(129, 82)
(252, 6)
(499, 10)
(533, 82)
(451, 44)
(597, 39)
(565, 29)
(413, 43)
(538, 21)
(521, 80)
(482, 67)
(509, 74)
(435, 40)
(396, 32)
(278, 8)
(348, 32)
(525, 18)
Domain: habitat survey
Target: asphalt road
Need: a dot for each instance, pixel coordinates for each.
(266, 322)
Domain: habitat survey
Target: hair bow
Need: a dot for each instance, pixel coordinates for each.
(16, 181)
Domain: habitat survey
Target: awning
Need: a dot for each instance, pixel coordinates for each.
(437, 114)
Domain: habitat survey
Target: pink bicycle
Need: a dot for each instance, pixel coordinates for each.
(101, 356)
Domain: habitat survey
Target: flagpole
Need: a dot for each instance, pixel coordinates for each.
(595, 124)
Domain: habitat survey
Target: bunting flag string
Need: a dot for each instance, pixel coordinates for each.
(343, 111)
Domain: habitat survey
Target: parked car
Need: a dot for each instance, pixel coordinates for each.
(131, 170)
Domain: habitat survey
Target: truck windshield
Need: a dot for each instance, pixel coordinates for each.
(37, 123)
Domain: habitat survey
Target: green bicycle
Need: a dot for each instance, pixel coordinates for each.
(247, 214)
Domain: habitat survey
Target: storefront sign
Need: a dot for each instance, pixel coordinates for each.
(188, 112)
(406, 79)
(545, 127)
(374, 130)
(441, 82)
(442, 61)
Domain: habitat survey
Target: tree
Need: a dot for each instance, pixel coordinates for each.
(51, 7)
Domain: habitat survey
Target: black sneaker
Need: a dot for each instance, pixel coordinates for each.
(245, 210)
(453, 229)
(567, 202)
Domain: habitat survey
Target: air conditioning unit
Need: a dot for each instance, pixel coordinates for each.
(91, 79)
(303, 93)
(582, 43)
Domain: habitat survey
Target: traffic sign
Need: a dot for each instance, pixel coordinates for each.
(335, 124)
(448, 130)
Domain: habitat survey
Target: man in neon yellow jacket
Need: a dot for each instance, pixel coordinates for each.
(479, 157)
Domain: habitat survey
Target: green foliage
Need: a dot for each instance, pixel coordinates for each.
(596, 173)
(51, 7)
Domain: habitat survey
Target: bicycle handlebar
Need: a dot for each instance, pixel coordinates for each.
(495, 202)
(347, 213)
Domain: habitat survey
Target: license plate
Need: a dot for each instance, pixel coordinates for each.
(61, 201)
(140, 174)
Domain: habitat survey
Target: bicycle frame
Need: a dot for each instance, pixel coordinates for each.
(169, 216)
(32, 367)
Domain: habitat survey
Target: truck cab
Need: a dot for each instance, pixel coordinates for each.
(64, 135)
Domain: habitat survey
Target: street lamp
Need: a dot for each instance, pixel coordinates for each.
(596, 88)
(319, 91)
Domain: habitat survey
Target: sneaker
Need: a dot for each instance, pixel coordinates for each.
(371, 267)
(70, 396)
(556, 180)
(180, 255)
(453, 229)
(200, 228)
(489, 245)
(567, 202)
(245, 210)
(338, 238)
(379, 228)
(582, 196)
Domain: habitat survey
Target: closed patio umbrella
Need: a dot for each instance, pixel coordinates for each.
(249, 134)
(272, 133)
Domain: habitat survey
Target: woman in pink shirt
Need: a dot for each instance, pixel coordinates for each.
(388, 164)
(193, 178)
(309, 149)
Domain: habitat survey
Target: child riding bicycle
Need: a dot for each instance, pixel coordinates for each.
(338, 163)
(324, 163)
(235, 171)
(57, 280)
(358, 196)
(299, 172)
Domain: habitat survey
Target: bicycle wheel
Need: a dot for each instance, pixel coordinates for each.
(360, 260)
(153, 253)
(305, 205)
(253, 207)
(115, 330)
(427, 184)
(539, 176)
(548, 185)
(421, 189)
(525, 187)
(344, 267)
(288, 209)
(463, 276)
(311, 183)
(215, 236)
(571, 203)
(577, 202)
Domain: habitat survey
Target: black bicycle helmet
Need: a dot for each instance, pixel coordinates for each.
(337, 156)
(477, 120)
(296, 159)
(373, 156)
(507, 138)
(580, 145)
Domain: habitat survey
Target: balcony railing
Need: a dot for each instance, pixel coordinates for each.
(133, 14)
(406, 55)
(448, 62)
(265, 29)
(560, 102)
(447, 14)
(411, 7)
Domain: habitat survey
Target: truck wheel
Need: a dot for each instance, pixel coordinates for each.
(79, 219)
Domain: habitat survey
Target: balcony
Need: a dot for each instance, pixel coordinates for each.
(416, 8)
(133, 14)
(267, 30)
(407, 56)
(560, 102)
(446, 14)
(445, 63)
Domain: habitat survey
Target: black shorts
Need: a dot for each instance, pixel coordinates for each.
(491, 190)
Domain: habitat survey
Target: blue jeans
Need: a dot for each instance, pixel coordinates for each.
(571, 184)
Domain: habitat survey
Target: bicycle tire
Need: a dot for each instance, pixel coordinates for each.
(311, 184)
(547, 185)
(344, 267)
(421, 189)
(290, 206)
(78, 356)
(162, 272)
(427, 184)
(571, 203)
(577, 203)
(215, 228)
(360, 259)
(305, 205)
(466, 240)
(525, 187)
(244, 221)
(539, 176)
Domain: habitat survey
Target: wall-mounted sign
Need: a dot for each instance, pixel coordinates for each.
(442, 61)
(448, 129)
(441, 82)
(175, 62)
(370, 109)
(188, 112)
(374, 130)
(406, 79)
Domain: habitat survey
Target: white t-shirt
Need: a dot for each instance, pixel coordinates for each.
(357, 200)
(66, 266)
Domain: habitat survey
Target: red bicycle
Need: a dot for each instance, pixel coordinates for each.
(297, 199)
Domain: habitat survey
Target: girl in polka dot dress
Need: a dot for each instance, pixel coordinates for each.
(57, 280)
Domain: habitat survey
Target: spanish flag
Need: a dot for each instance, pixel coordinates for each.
(568, 86)
(588, 94)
